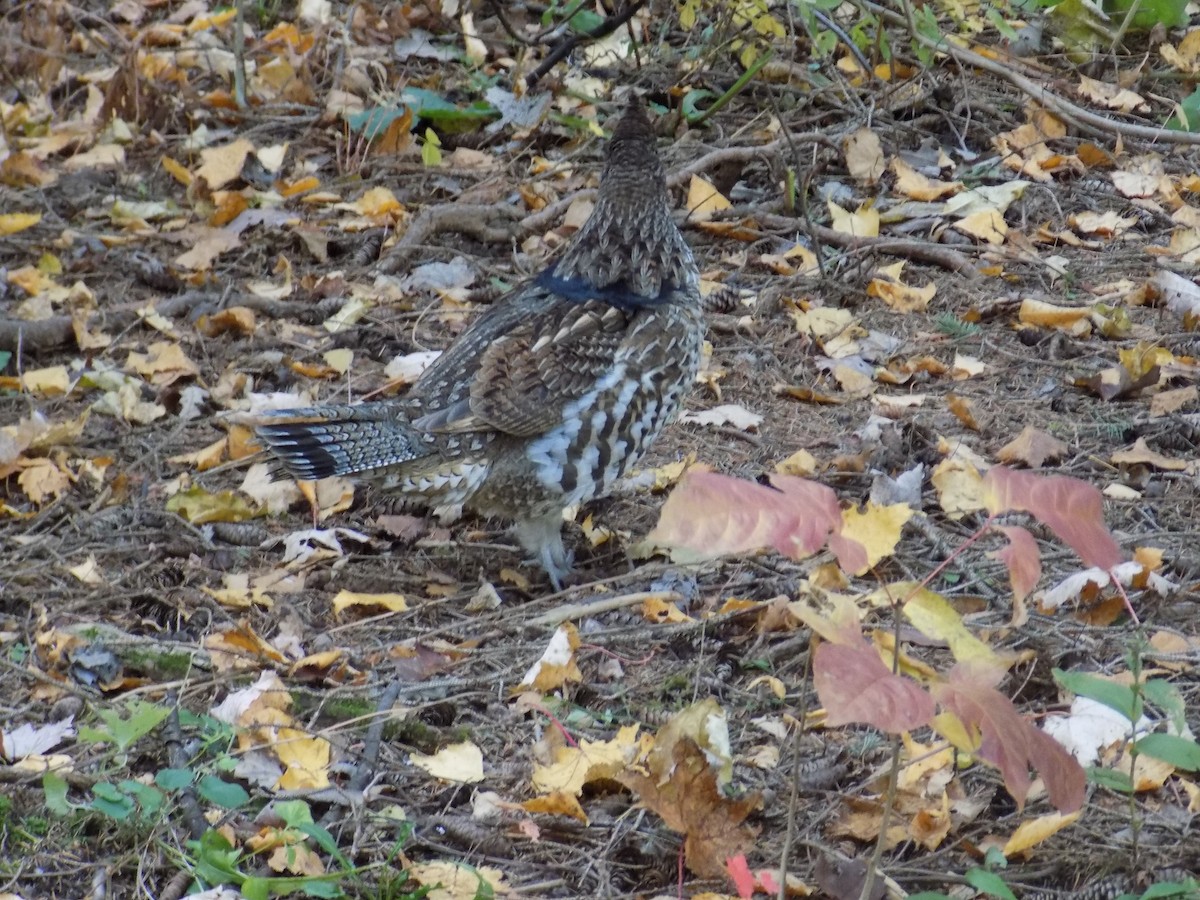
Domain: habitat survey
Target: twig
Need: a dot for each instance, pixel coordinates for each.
(470, 219)
(916, 250)
(370, 754)
(562, 613)
(568, 43)
(173, 732)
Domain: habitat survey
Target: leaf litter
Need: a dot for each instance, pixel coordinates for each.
(145, 518)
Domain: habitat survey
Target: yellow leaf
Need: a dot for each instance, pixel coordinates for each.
(221, 165)
(557, 803)
(11, 223)
(205, 458)
(801, 464)
(864, 156)
(557, 664)
(916, 186)
(88, 571)
(177, 171)
(574, 767)
(462, 763)
(306, 759)
(49, 381)
(458, 881)
(986, 225)
(863, 222)
(42, 480)
(704, 200)
(374, 602)
(959, 486)
(164, 363)
(877, 529)
(933, 616)
(1030, 834)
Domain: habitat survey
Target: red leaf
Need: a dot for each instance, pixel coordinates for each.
(1072, 509)
(1011, 742)
(855, 686)
(710, 515)
(1023, 559)
(740, 875)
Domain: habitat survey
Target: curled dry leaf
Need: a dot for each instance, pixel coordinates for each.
(690, 802)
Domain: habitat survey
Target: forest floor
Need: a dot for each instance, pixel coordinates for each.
(166, 321)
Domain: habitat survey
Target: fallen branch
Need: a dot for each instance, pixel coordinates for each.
(921, 251)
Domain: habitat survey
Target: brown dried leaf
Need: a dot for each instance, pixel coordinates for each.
(1032, 447)
(691, 803)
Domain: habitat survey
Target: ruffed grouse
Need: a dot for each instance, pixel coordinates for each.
(553, 392)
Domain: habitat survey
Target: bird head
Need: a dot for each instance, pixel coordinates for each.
(629, 248)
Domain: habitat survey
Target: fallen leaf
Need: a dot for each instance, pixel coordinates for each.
(461, 763)
(1032, 447)
(691, 803)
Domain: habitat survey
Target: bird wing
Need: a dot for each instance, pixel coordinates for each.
(524, 377)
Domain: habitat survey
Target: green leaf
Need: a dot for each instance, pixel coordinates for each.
(1186, 888)
(149, 798)
(224, 794)
(689, 107)
(54, 786)
(585, 21)
(1166, 697)
(989, 883)
(447, 116)
(1119, 697)
(173, 779)
(123, 730)
(5, 356)
(294, 813)
(111, 801)
(1111, 779)
(216, 859)
(431, 155)
(375, 121)
(1190, 108)
(1001, 24)
(1182, 753)
(1168, 13)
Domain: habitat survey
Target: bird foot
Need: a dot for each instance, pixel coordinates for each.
(543, 539)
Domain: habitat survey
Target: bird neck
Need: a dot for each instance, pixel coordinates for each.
(631, 247)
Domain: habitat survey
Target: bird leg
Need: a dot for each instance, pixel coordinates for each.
(542, 537)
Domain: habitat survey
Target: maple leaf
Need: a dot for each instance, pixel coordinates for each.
(1008, 740)
(690, 803)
